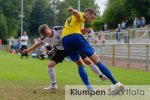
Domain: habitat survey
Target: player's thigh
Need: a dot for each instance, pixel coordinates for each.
(71, 49)
(86, 48)
(73, 54)
(94, 58)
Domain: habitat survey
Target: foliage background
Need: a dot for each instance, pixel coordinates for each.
(54, 12)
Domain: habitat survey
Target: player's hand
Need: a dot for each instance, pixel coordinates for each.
(70, 9)
(25, 51)
(84, 30)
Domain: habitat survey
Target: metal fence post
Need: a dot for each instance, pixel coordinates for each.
(101, 51)
(129, 51)
(113, 55)
(147, 57)
(126, 37)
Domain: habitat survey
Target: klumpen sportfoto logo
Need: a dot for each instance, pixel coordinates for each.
(138, 92)
(109, 92)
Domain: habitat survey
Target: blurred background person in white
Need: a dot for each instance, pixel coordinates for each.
(24, 44)
(43, 53)
(123, 25)
(91, 35)
(11, 44)
(17, 46)
(135, 23)
(100, 38)
(143, 21)
(105, 27)
(118, 30)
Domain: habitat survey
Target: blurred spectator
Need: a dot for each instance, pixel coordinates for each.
(105, 27)
(90, 35)
(17, 46)
(11, 43)
(24, 43)
(123, 25)
(101, 39)
(43, 53)
(126, 21)
(143, 21)
(118, 30)
(37, 49)
(95, 40)
(135, 23)
(138, 22)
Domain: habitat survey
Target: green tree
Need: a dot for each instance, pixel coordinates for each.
(39, 15)
(98, 24)
(10, 11)
(36, 12)
(3, 27)
(54, 12)
(118, 10)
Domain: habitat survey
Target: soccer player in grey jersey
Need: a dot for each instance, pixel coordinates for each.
(53, 36)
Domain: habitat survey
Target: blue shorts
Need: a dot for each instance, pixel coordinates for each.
(75, 43)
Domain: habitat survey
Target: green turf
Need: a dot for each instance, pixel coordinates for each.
(24, 78)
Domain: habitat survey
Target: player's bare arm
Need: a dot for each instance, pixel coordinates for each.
(74, 12)
(32, 47)
(84, 30)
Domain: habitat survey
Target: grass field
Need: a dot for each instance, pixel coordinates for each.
(24, 79)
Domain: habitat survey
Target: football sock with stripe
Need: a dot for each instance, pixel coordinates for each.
(106, 72)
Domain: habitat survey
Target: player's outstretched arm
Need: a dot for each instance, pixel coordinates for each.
(32, 47)
(73, 12)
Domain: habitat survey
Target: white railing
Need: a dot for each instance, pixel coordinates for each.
(135, 35)
(128, 52)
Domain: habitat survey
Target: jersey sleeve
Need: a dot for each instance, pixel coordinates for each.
(59, 33)
(43, 40)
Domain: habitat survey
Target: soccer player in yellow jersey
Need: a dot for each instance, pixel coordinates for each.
(74, 42)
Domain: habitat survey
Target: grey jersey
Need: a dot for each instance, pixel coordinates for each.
(55, 40)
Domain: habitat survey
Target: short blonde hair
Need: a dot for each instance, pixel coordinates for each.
(42, 28)
(91, 10)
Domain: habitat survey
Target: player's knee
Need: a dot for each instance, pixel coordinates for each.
(51, 64)
(87, 61)
(79, 63)
(95, 59)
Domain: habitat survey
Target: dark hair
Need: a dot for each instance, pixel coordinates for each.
(91, 10)
(42, 28)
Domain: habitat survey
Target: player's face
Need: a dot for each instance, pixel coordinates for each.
(90, 17)
(48, 32)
